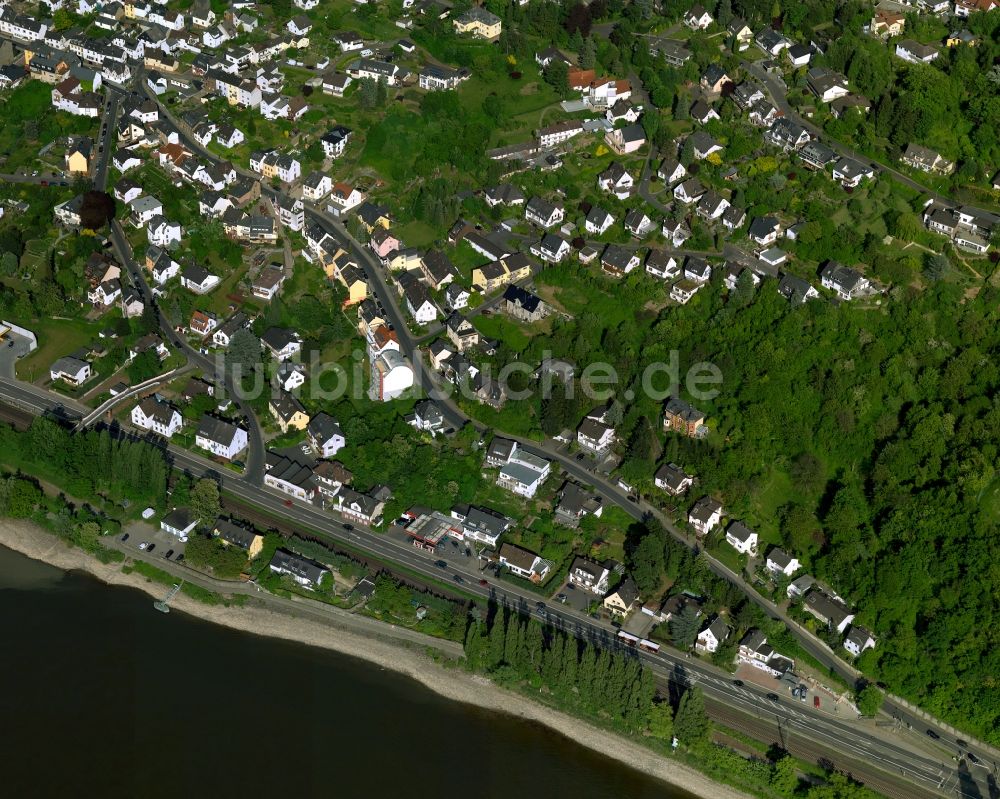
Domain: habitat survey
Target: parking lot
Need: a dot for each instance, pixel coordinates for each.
(140, 532)
(12, 347)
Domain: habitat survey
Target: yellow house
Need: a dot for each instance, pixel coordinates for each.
(231, 534)
(372, 216)
(406, 258)
(78, 157)
(355, 283)
(335, 263)
(288, 412)
(511, 269)
(958, 38)
(887, 24)
(480, 23)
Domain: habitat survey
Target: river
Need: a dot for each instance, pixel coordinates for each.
(105, 696)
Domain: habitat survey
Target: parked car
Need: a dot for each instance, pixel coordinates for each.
(168, 553)
(124, 537)
(151, 547)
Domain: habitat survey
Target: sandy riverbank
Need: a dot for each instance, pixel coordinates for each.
(453, 684)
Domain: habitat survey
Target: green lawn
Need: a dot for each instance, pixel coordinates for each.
(500, 327)
(56, 337)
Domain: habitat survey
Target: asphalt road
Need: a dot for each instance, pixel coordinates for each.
(888, 759)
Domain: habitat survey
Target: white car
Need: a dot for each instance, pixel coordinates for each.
(144, 545)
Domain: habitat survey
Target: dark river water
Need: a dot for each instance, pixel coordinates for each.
(103, 696)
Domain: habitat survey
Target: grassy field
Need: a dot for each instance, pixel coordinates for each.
(56, 337)
(34, 261)
(500, 327)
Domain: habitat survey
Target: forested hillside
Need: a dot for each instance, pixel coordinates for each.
(881, 430)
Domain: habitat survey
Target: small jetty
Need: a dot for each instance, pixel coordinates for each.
(163, 605)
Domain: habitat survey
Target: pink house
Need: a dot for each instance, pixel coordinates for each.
(383, 243)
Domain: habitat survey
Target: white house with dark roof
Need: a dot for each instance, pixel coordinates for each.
(223, 439)
(325, 435)
(712, 635)
(741, 538)
(705, 516)
(589, 576)
(157, 416)
(70, 370)
(830, 610)
(780, 562)
(524, 563)
(859, 640)
(673, 479)
(848, 283)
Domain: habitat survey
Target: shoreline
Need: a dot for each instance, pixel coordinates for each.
(452, 684)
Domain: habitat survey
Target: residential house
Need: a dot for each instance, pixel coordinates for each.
(461, 332)
(661, 264)
(361, 508)
(236, 535)
(757, 652)
(589, 576)
(523, 305)
(598, 221)
(617, 261)
(713, 79)
(830, 610)
(670, 171)
(886, 24)
(742, 538)
(197, 279)
(594, 434)
(795, 289)
(712, 636)
(705, 515)
(638, 223)
(764, 230)
(915, 52)
(626, 140)
(623, 599)
(524, 563)
(846, 282)
(552, 248)
(858, 640)
(681, 417)
(303, 571)
(826, 84)
(202, 323)
(697, 18)
(780, 562)
(543, 213)
(223, 439)
(288, 412)
(523, 473)
(268, 282)
(281, 343)
(617, 181)
(926, 160)
(78, 156)
(480, 23)
(70, 370)
(576, 502)
(558, 133)
(157, 416)
(673, 479)
(427, 416)
(482, 525)
(325, 436)
(787, 135)
(689, 191)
